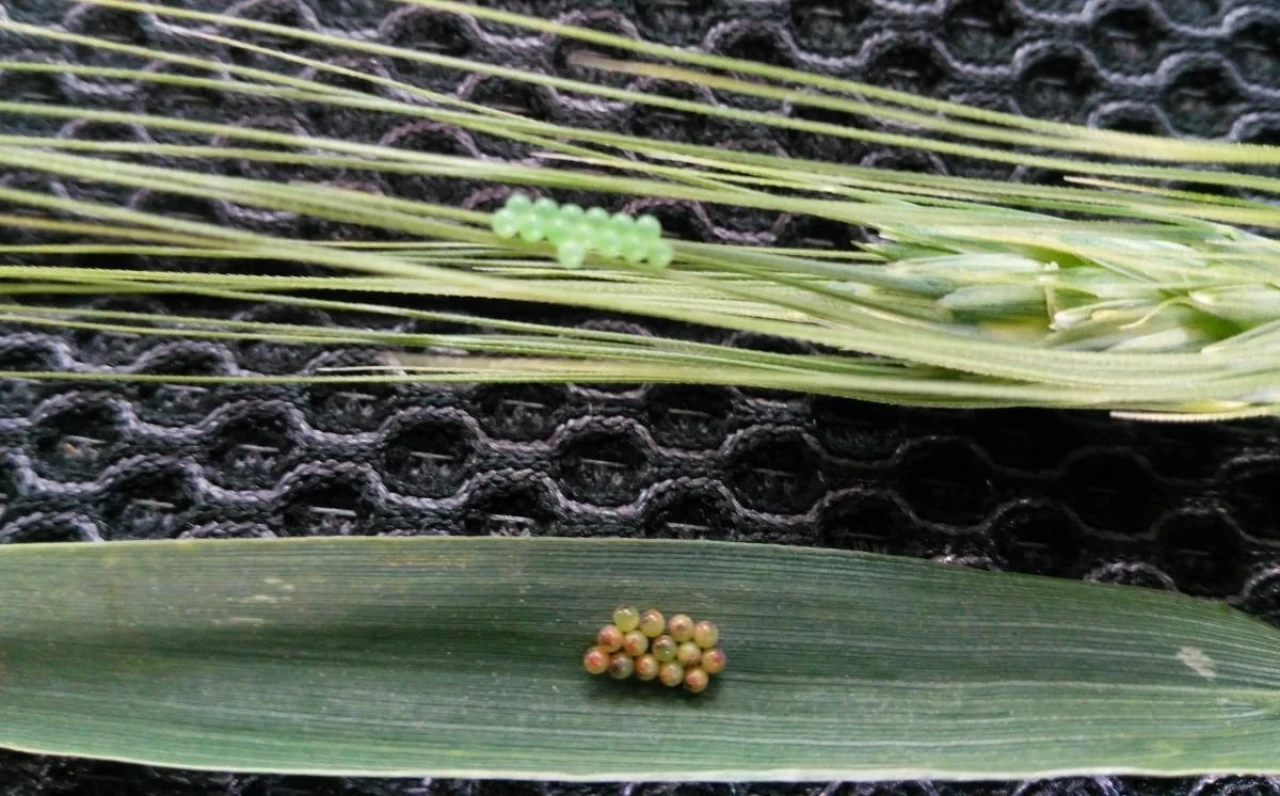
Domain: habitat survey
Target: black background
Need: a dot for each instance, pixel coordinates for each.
(1069, 495)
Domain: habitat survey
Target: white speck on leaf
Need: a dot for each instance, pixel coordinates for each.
(1197, 661)
(246, 620)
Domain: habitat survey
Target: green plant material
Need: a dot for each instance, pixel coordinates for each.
(397, 656)
(1146, 301)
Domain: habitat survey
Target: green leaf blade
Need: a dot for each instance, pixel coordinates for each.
(461, 657)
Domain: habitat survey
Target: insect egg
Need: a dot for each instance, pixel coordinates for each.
(671, 674)
(533, 228)
(621, 666)
(713, 661)
(519, 202)
(634, 248)
(572, 253)
(664, 648)
(680, 627)
(706, 634)
(635, 643)
(652, 623)
(506, 223)
(696, 681)
(649, 226)
(647, 667)
(596, 660)
(626, 618)
(609, 243)
(610, 638)
(661, 254)
(558, 229)
(689, 654)
(586, 232)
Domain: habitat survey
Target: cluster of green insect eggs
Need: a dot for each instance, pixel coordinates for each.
(575, 232)
(676, 651)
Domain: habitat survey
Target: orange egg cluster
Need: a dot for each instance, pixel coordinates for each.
(675, 652)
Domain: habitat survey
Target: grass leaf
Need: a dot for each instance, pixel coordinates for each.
(461, 657)
(1105, 292)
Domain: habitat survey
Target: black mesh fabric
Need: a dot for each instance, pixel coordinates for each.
(1191, 508)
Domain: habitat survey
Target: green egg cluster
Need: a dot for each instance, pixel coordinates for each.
(575, 232)
(675, 652)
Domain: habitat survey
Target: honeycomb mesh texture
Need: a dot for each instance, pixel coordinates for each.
(1074, 495)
